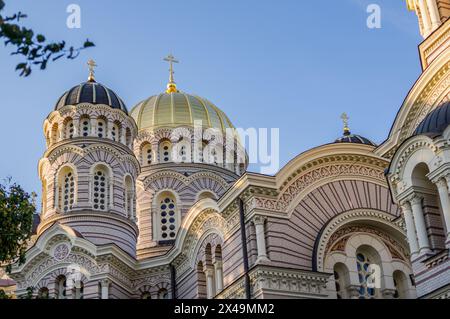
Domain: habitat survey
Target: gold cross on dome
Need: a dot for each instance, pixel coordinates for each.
(171, 87)
(345, 119)
(91, 63)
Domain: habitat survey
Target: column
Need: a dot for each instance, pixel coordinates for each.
(122, 135)
(218, 269)
(419, 221)
(93, 131)
(259, 221)
(425, 18)
(441, 185)
(210, 291)
(105, 288)
(410, 228)
(434, 14)
(76, 127)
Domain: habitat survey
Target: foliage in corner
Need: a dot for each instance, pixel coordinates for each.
(16, 223)
(35, 49)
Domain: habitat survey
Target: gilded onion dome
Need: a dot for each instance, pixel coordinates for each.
(176, 109)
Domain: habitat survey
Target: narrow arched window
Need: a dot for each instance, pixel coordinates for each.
(165, 150)
(341, 280)
(55, 133)
(66, 189)
(129, 197)
(128, 137)
(168, 216)
(85, 126)
(183, 151)
(218, 268)
(60, 287)
(147, 155)
(100, 188)
(69, 129)
(101, 128)
(78, 290)
(146, 295)
(115, 132)
(201, 281)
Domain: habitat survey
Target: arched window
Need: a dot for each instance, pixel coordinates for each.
(183, 151)
(167, 217)
(43, 293)
(146, 154)
(129, 196)
(209, 271)
(66, 189)
(101, 128)
(55, 133)
(69, 129)
(218, 268)
(163, 293)
(85, 126)
(60, 287)
(78, 290)
(165, 150)
(369, 272)
(200, 147)
(341, 280)
(401, 285)
(128, 137)
(115, 132)
(100, 188)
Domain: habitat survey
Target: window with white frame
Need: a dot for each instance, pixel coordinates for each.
(147, 154)
(85, 126)
(100, 188)
(165, 150)
(167, 216)
(66, 189)
(101, 128)
(69, 129)
(129, 196)
(115, 132)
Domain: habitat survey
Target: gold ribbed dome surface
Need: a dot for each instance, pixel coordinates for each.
(178, 109)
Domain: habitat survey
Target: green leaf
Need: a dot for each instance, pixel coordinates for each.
(40, 38)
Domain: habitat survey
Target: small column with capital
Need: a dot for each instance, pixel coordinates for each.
(105, 283)
(259, 222)
(419, 221)
(410, 228)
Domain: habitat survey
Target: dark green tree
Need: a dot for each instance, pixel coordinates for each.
(16, 223)
(34, 48)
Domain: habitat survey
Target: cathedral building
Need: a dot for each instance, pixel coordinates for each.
(148, 203)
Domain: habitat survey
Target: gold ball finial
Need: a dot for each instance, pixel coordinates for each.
(91, 63)
(345, 119)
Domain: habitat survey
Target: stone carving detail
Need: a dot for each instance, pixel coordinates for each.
(61, 252)
(338, 240)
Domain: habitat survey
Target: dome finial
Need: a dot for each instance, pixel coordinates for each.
(91, 63)
(345, 119)
(171, 86)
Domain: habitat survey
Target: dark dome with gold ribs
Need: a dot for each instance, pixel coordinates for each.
(348, 137)
(435, 122)
(91, 92)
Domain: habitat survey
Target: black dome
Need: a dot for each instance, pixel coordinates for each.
(91, 92)
(435, 122)
(353, 138)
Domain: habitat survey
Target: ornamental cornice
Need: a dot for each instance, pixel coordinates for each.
(289, 281)
(186, 180)
(54, 153)
(407, 150)
(332, 160)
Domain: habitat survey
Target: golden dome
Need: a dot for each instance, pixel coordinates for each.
(178, 109)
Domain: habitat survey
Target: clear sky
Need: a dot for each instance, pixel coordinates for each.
(289, 64)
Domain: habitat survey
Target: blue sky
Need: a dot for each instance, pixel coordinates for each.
(289, 64)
